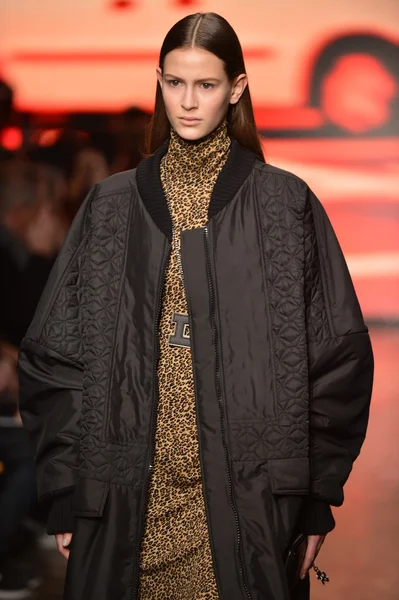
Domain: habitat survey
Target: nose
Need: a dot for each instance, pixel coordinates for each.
(189, 100)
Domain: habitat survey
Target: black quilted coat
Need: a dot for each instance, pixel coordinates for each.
(282, 364)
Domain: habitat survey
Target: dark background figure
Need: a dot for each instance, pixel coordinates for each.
(129, 130)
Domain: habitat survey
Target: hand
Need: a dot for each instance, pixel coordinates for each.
(315, 542)
(63, 540)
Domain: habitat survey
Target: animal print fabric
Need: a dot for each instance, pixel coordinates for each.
(176, 560)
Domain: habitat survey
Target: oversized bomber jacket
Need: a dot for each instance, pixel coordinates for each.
(282, 364)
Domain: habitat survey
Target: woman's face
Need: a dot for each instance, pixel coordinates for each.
(196, 91)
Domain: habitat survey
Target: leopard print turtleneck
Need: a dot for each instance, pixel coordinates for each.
(176, 561)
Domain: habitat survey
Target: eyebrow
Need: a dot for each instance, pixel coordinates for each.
(205, 79)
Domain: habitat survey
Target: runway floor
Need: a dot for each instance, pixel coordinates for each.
(361, 556)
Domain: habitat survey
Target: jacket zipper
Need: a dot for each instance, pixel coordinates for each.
(153, 424)
(221, 409)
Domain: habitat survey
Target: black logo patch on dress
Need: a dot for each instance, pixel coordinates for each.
(181, 336)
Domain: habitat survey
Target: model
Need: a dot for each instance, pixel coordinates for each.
(197, 377)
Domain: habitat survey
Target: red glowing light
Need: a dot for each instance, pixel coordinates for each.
(11, 138)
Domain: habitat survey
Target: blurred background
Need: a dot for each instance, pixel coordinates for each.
(77, 82)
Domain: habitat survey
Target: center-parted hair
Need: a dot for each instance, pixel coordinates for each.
(213, 33)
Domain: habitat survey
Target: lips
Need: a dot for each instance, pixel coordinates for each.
(189, 120)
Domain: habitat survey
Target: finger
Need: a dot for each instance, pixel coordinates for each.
(63, 540)
(60, 547)
(309, 556)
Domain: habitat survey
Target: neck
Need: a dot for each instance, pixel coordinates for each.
(192, 156)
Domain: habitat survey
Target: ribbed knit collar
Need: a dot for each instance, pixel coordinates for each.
(190, 160)
(237, 168)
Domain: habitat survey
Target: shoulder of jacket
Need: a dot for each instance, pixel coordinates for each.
(117, 184)
(278, 174)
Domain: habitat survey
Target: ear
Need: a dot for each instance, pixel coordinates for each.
(239, 85)
(159, 76)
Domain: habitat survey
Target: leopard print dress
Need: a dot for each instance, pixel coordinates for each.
(176, 560)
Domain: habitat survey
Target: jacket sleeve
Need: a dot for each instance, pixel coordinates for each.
(50, 366)
(340, 359)
(61, 517)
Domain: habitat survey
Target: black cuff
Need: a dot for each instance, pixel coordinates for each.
(316, 518)
(61, 518)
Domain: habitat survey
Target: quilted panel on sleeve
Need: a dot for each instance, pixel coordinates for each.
(282, 208)
(103, 279)
(62, 330)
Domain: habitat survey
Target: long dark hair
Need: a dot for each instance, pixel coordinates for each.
(211, 32)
